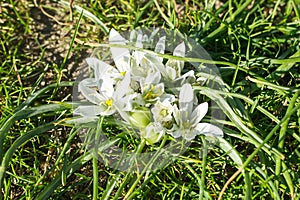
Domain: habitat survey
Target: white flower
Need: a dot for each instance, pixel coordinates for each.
(105, 75)
(174, 67)
(121, 56)
(162, 111)
(142, 69)
(172, 70)
(113, 84)
(106, 102)
(152, 92)
(142, 66)
(187, 119)
(140, 89)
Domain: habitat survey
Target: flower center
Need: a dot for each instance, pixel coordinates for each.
(151, 94)
(109, 102)
(187, 124)
(123, 73)
(164, 112)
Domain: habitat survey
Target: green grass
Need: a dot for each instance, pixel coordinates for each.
(256, 49)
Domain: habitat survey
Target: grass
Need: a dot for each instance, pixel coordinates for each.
(255, 46)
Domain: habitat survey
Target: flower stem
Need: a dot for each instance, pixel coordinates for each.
(127, 176)
(95, 159)
(204, 157)
(130, 193)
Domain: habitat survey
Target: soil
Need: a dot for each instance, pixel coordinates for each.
(53, 31)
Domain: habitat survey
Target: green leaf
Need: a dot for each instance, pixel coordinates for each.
(19, 142)
(235, 156)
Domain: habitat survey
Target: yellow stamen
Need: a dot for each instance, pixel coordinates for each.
(109, 102)
(151, 93)
(164, 112)
(123, 73)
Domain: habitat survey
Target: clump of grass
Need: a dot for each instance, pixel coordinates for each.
(254, 45)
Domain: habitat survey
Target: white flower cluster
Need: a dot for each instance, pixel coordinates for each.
(141, 89)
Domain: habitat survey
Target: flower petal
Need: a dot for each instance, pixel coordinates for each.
(121, 56)
(162, 111)
(199, 112)
(186, 97)
(176, 114)
(179, 50)
(176, 134)
(90, 110)
(187, 77)
(177, 64)
(123, 87)
(152, 78)
(153, 34)
(153, 132)
(137, 58)
(189, 135)
(167, 97)
(124, 106)
(101, 69)
(136, 36)
(86, 121)
(160, 47)
(139, 40)
(90, 94)
(155, 62)
(89, 82)
(209, 129)
(170, 73)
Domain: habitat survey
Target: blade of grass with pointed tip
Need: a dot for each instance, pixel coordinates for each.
(71, 168)
(235, 156)
(34, 96)
(213, 94)
(19, 142)
(26, 113)
(87, 14)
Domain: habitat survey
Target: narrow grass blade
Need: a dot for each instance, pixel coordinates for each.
(274, 192)
(71, 168)
(87, 14)
(20, 141)
(235, 156)
(283, 68)
(23, 114)
(34, 96)
(213, 94)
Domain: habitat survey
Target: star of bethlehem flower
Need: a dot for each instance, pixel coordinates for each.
(162, 111)
(138, 88)
(106, 102)
(188, 118)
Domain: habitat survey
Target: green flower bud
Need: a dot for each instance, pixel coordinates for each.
(153, 132)
(140, 118)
